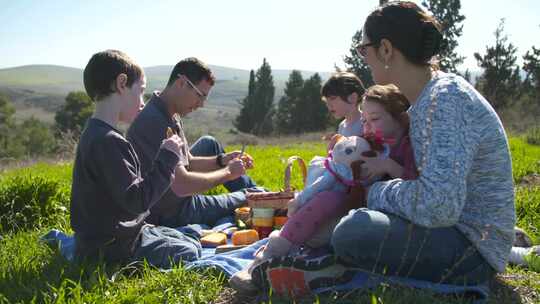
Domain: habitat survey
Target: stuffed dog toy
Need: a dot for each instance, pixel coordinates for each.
(334, 173)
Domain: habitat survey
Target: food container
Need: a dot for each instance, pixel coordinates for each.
(243, 214)
(279, 221)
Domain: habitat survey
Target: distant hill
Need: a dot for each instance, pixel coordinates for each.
(46, 86)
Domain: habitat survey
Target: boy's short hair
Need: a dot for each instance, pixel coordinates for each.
(343, 84)
(102, 70)
(194, 69)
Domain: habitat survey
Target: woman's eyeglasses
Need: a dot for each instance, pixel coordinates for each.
(361, 49)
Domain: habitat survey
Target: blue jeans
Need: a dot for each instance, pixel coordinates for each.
(387, 244)
(207, 209)
(164, 247)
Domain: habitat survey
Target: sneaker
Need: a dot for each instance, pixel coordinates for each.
(276, 246)
(298, 276)
(518, 254)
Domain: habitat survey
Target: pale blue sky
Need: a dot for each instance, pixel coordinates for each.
(307, 35)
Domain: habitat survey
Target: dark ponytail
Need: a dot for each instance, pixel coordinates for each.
(409, 28)
(431, 41)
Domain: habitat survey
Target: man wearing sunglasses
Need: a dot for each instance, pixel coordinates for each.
(202, 167)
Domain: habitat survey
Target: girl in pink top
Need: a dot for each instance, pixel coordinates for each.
(385, 121)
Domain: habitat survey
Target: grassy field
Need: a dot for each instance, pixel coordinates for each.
(35, 199)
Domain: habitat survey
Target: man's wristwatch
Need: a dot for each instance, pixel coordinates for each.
(219, 160)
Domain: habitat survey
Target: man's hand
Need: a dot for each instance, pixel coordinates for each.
(246, 158)
(236, 168)
(173, 143)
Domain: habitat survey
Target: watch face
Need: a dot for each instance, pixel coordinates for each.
(220, 159)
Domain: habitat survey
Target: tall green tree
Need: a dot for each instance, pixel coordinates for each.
(257, 109)
(9, 141)
(74, 113)
(245, 121)
(288, 103)
(356, 64)
(447, 13)
(264, 98)
(531, 66)
(500, 81)
(312, 115)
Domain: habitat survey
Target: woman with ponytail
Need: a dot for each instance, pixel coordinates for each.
(454, 222)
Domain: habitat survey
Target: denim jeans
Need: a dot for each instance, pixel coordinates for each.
(207, 209)
(164, 247)
(387, 244)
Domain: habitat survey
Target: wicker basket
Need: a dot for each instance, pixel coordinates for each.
(278, 200)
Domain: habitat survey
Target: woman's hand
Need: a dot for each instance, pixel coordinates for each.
(376, 167)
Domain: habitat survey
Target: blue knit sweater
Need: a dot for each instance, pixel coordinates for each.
(465, 170)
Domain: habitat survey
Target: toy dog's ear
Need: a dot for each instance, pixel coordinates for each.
(334, 140)
(356, 167)
(369, 153)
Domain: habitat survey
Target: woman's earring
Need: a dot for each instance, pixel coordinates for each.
(386, 67)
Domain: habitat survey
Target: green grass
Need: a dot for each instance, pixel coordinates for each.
(32, 272)
(525, 158)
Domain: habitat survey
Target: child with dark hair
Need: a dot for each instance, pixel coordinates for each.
(342, 93)
(110, 198)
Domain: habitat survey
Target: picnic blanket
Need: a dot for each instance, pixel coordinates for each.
(234, 261)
